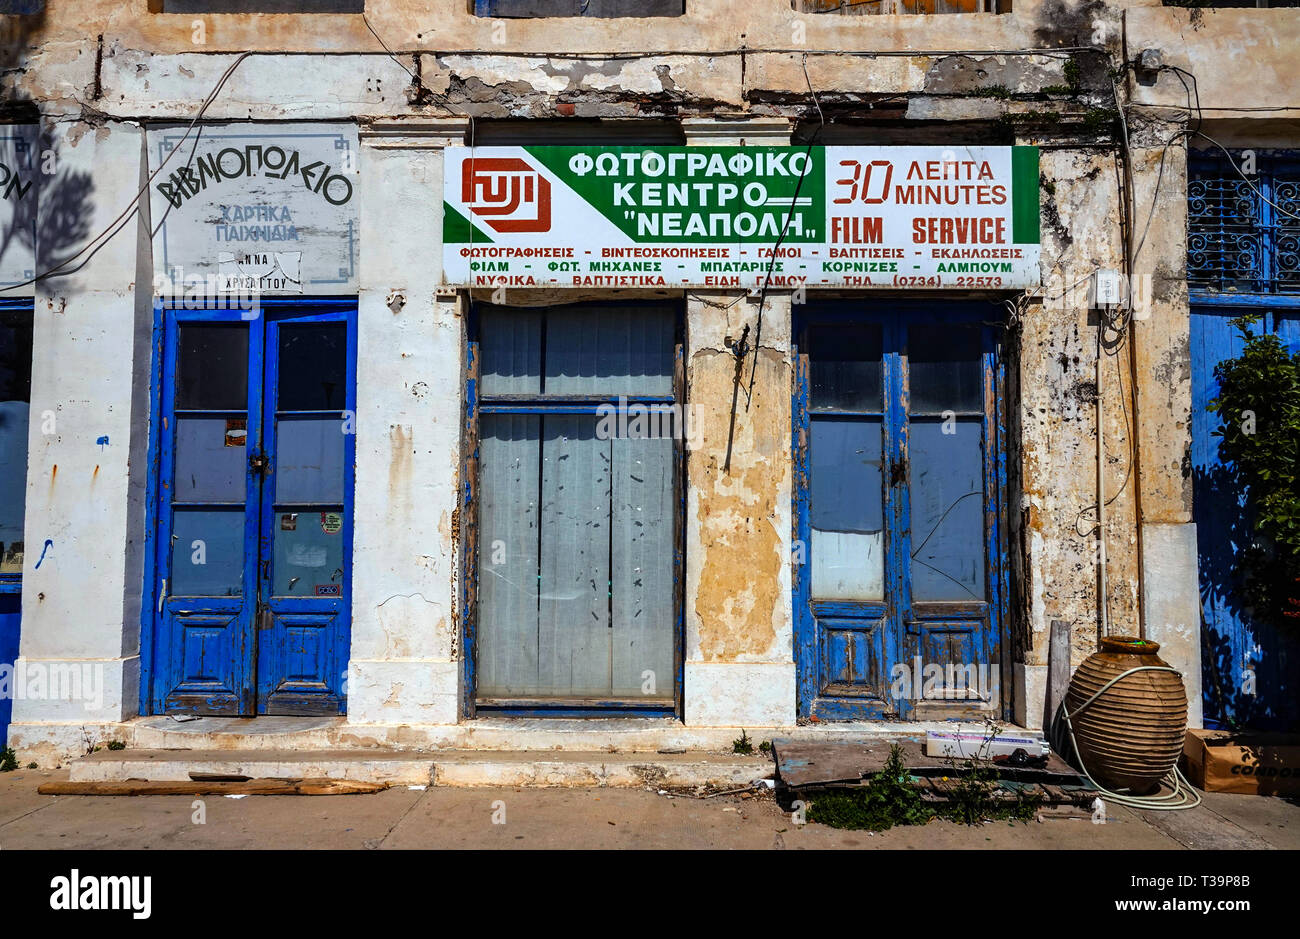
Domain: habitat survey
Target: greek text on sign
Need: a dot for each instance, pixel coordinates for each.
(256, 208)
(647, 217)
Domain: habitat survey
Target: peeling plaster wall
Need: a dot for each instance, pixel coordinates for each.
(100, 67)
(1055, 548)
(739, 625)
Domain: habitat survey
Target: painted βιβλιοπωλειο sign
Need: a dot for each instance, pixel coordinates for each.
(263, 208)
(733, 217)
(19, 192)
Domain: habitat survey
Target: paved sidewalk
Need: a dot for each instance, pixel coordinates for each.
(574, 818)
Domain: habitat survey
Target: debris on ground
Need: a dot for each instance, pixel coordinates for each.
(877, 784)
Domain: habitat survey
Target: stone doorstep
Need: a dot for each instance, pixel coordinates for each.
(442, 768)
(586, 735)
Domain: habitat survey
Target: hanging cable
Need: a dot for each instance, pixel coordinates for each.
(127, 213)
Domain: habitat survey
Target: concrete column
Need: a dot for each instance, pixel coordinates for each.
(739, 667)
(405, 659)
(82, 577)
(1161, 336)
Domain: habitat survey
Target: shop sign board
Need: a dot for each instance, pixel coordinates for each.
(739, 217)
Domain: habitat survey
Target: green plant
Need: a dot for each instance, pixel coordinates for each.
(116, 745)
(1259, 405)
(32, 765)
(1073, 73)
(765, 747)
(1098, 120)
(972, 800)
(8, 760)
(886, 800)
(742, 744)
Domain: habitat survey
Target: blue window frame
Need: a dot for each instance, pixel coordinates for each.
(1243, 230)
(574, 539)
(900, 475)
(250, 527)
(15, 402)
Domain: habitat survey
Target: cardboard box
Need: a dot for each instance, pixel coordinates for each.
(1249, 763)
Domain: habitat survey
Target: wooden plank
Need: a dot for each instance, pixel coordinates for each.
(801, 764)
(251, 787)
(1058, 663)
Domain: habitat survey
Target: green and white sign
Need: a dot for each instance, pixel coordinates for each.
(646, 217)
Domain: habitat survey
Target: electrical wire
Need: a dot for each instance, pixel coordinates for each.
(132, 207)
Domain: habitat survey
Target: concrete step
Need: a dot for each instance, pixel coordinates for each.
(438, 768)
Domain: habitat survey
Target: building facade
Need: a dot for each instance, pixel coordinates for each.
(317, 426)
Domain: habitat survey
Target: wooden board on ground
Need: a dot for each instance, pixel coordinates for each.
(250, 787)
(800, 764)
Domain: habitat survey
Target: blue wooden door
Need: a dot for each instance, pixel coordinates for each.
(15, 400)
(898, 569)
(1250, 669)
(253, 540)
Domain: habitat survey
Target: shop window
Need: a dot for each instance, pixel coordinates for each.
(576, 493)
(594, 8)
(257, 6)
(886, 7)
(1243, 221)
(15, 396)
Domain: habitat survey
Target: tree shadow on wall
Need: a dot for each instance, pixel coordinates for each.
(1247, 662)
(47, 207)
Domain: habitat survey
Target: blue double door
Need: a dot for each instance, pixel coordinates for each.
(900, 580)
(252, 555)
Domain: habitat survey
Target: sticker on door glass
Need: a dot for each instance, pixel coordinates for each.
(289, 521)
(331, 523)
(329, 590)
(236, 432)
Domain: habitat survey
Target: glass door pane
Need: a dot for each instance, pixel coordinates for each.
(946, 459)
(209, 483)
(309, 460)
(846, 405)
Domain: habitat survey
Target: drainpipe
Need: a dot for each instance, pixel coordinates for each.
(1103, 620)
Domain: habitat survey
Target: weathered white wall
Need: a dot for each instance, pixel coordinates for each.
(405, 663)
(81, 579)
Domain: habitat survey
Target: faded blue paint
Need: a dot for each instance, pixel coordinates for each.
(845, 650)
(11, 584)
(102, 441)
(49, 543)
(1234, 644)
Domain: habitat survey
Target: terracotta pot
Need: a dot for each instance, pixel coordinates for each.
(1131, 736)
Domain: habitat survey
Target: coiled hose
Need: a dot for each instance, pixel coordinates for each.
(1181, 795)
